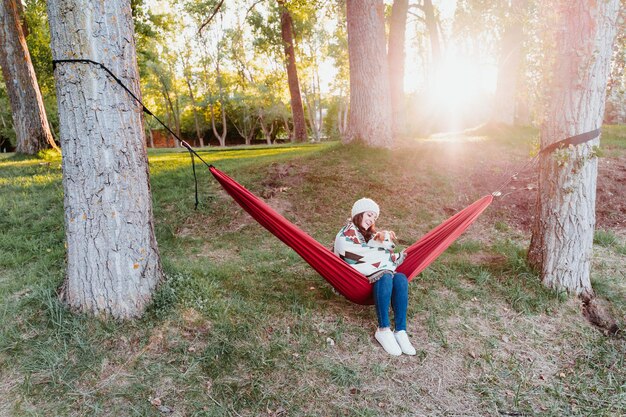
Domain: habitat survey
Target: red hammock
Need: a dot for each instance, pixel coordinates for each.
(349, 282)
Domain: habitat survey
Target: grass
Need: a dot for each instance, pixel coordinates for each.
(243, 327)
(605, 238)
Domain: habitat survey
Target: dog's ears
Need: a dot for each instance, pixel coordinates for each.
(379, 236)
(393, 235)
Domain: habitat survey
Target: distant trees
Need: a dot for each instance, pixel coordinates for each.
(615, 112)
(297, 110)
(113, 265)
(562, 238)
(301, 48)
(32, 131)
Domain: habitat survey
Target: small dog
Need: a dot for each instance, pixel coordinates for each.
(383, 240)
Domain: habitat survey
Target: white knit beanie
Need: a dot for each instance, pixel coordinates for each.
(363, 205)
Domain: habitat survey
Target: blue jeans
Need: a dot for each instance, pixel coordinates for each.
(391, 289)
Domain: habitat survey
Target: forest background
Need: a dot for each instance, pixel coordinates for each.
(215, 70)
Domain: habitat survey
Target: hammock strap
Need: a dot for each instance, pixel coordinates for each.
(572, 140)
(192, 152)
(195, 178)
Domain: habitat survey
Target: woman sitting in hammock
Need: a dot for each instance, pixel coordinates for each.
(390, 288)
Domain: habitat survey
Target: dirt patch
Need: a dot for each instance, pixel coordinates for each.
(478, 173)
(232, 218)
(519, 203)
(611, 194)
(191, 333)
(595, 310)
(281, 173)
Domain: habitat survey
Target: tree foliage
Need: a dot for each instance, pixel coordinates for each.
(180, 43)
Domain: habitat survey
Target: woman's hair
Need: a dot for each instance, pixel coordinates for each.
(367, 234)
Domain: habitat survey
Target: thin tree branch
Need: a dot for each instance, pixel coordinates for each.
(418, 17)
(252, 7)
(217, 9)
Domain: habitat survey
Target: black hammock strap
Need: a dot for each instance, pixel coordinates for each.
(192, 152)
(572, 140)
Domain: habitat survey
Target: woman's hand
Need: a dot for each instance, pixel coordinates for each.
(401, 258)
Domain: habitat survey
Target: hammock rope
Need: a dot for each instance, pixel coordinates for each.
(346, 280)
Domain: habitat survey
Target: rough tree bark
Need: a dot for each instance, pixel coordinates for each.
(370, 102)
(297, 110)
(20, 13)
(113, 265)
(29, 115)
(395, 58)
(562, 238)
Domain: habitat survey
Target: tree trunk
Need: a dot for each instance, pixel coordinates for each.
(313, 107)
(151, 136)
(29, 115)
(176, 113)
(22, 17)
(113, 265)
(433, 33)
(173, 109)
(195, 113)
(168, 122)
(267, 130)
(370, 102)
(220, 137)
(562, 239)
(170, 115)
(246, 128)
(395, 59)
(342, 115)
(505, 100)
(287, 129)
(297, 110)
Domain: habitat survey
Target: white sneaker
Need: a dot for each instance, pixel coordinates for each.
(388, 342)
(405, 344)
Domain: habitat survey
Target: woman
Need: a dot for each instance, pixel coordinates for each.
(378, 265)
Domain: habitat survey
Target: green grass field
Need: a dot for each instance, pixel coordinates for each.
(243, 327)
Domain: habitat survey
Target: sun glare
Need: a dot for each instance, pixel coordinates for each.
(460, 91)
(457, 83)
